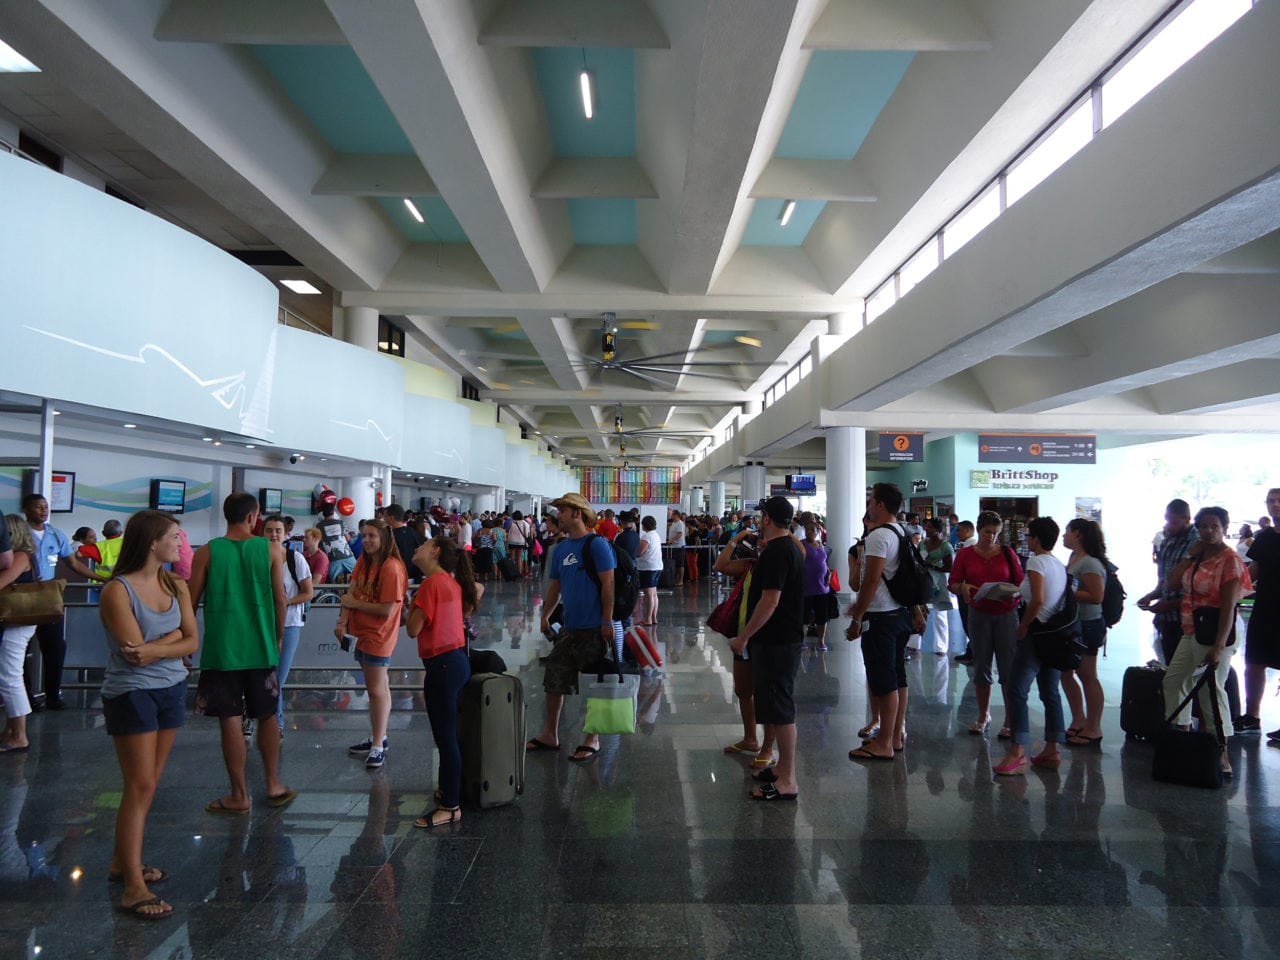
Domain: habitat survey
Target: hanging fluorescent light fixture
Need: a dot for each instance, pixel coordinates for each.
(413, 210)
(584, 81)
(788, 209)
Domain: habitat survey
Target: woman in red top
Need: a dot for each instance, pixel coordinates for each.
(371, 613)
(437, 621)
(993, 623)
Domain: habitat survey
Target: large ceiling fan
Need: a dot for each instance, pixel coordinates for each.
(654, 367)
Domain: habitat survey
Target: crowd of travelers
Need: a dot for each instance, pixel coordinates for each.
(905, 577)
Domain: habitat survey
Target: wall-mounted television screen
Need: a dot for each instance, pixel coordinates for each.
(802, 483)
(169, 496)
(271, 500)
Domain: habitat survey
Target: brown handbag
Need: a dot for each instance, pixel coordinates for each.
(31, 604)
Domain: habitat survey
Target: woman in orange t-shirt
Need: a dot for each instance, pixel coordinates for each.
(437, 621)
(371, 614)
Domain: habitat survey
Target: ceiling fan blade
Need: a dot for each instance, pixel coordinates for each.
(685, 373)
(665, 384)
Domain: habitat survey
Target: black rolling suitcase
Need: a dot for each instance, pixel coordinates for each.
(491, 732)
(1142, 702)
(507, 567)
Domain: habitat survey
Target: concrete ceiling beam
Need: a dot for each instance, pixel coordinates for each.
(791, 179)
(214, 118)
(473, 116)
(249, 22)
(1144, 201)
(375, 175)
(567, 178)
(935, 25)
(1205, 322)
(415, 296)
(574, 23)
(1229, 387)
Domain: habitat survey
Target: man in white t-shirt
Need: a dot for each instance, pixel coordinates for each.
(675, 544)
(887, 626)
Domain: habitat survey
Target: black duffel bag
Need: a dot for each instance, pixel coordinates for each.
(1057, 640)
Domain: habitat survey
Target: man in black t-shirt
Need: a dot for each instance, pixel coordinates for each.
(406, 538)
(773, 638)
(1262, 641)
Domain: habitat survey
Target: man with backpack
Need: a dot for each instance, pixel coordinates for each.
(882, 622)
(582, 576)
(333, 542)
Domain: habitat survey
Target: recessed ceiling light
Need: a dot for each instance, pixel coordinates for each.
(56, 413)
(299, 286)
(131, 426)
(413, 210)
(788, 209)
(217, 443)
(749, 341)
(482, 369)
(249, 446)
(11, 61)
(207, 439)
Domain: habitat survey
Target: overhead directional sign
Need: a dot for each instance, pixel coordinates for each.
(901, 447)
(1035, 448)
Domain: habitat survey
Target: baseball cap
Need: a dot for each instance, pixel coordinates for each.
(777, 509)
(578, 502)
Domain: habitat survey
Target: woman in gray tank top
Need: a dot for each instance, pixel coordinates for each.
(150, 627)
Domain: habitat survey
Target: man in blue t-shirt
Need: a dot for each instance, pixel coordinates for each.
(587, 627)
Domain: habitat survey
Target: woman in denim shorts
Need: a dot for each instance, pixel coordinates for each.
(150, 627)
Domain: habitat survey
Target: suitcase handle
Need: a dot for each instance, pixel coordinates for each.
(1213, 700)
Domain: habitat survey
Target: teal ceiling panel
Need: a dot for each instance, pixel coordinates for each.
(764, 230)
(603, 221)
(842, 93)
(612, 130)
(332, 89)
(441, 225)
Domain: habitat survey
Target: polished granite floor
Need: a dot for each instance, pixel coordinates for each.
(654, 850)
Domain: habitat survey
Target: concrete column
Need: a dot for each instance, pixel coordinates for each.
(846, 489)
(844, 324)
(716, 491)
(686, 499)
(753, 485)
(360, 491)
(360, 327)
(44, 478)
(697, 504)
(482, 502)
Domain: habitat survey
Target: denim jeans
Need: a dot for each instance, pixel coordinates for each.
(288, 647)
(1026, 668)
(446, 675)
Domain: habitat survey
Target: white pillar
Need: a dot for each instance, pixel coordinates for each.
(753, 485)
(696, 502)
(846, 489)
(360, 491)
(482, 502)
(360, 327)
(686, 499)
(716, 490)
(44, 479)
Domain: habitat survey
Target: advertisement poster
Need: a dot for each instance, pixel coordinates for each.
(1089, 508)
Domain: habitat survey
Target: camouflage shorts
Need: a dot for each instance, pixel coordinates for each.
(573, 652)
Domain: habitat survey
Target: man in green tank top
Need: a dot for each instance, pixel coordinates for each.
(241, 579)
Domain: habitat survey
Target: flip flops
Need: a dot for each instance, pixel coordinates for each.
(764, 776)
(770, 792)
(282, 799)
(590, 751)
(139, 909)
(862, 753)
(217, 806)
(741, 747)
(534, 745)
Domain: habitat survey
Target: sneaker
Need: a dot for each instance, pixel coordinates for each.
(375, 759)
(363, 747)
(1274, 735)
(246, 727)
(1247, 725)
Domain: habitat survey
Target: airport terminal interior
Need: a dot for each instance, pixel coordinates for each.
(678, 255)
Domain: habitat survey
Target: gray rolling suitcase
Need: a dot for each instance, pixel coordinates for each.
(491, 732)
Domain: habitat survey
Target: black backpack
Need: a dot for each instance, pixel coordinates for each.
(626, 579)
(912, 584)
(1113, 596)
(289, 553)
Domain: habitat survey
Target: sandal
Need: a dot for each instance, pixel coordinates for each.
(430, 822)
(761, 763)
(1004, 734)
(590, 754)
(140, 910)
(869, 731)
(979, 727)
(770, 792)
(765, 776)
(742, 746)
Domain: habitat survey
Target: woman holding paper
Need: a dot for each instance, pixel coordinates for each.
(986, 577)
